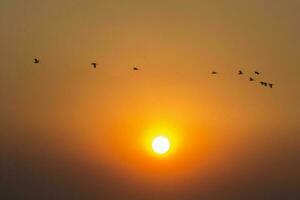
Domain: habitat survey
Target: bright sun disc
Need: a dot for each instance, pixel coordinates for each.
(161, 145)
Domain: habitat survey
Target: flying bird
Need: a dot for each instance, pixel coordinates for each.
(214, 72)
(257, 73)
(135, 68)
(94, 64)
(36, 61)
(264, 83)
(271, 85)
(240, 72)
(251, 79)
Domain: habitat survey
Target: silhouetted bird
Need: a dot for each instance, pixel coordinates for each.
(135, 68)
(36, 61)
(271, 85)
(264, 83)
(214, 72)
(251, 79)
(256, 72)
(94, 65)
(240, 72)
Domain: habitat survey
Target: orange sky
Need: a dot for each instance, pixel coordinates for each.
(225, 129)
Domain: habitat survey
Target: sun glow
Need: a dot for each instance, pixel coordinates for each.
(160, 145)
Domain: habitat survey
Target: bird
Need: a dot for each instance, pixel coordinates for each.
(257, 73)
(94, 64)
(251, 79)
(264, 83)
(135, 68)
(271, 85)
(240, 72)
(36, 61)
(214, 72)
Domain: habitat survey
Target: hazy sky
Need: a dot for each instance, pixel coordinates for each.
(68, 131)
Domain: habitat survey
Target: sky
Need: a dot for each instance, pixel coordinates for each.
(68, 131)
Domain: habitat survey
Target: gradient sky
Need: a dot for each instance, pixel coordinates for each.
(68, 131)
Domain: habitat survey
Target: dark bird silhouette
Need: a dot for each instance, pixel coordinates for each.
(257, 73)
(251, 79)
(36, 61)
(271, 85)
(264, 83)
(214, 72)
(136, 68)
(94, 64)
(240, 72)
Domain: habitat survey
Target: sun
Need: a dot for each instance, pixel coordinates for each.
(160, 145)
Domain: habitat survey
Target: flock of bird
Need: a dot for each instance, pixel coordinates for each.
(263, 83)
(93, 64)
(240, 72)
